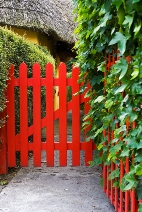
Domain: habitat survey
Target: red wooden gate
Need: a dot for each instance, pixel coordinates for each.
(19, 142)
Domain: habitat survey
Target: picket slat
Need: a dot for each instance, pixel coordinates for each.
(36, 115)
(75, 118)
(49, 116)
(62, 115)
(88, 150)
(11, 119)
(23, 115)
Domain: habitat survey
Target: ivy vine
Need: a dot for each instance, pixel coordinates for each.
(113, 27)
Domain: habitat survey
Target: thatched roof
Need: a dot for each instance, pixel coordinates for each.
(54, 17)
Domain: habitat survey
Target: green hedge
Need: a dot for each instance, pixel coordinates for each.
(15, 49)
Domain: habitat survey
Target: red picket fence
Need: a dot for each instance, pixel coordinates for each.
(19, 142)
(122, 201)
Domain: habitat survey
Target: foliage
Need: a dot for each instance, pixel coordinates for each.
(70, 63)
(15, 50)
(115, 27)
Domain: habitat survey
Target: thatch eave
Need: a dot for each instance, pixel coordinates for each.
(54, 17)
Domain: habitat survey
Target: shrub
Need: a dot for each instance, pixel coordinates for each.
(15, 50)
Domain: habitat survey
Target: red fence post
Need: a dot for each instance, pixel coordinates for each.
(3, 146)
(62, 115)
(37, 114)
(23, 114)
(49, 116)
(75, 118)
(88, 144)
(11, 120)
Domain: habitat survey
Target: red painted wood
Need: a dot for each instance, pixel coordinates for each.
(11, 119)
(121, 177)
(62, 115)
(43, 82)
(49, 116)
(116, 195)
(75, 119)
(3, 146)
(88, 151)
(23, 114)
(104, 170)
(108, 167)
(112, 181)
(36, 115)
(133, 201)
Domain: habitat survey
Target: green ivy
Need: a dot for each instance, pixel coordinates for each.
(113, 27)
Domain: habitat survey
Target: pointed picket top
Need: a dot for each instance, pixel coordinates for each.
(49, 67)
(22, 65)
(36, 69)
(62, 69)
(36, 66)
(62, 66)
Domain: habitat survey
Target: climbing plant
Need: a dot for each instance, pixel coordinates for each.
(113, 27)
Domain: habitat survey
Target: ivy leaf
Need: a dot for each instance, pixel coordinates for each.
(135, 1)
(119, 39)
(117, 3)
(139, 145)
(134, 116)
(129, 186)
(137, 28)
(99, 99)
(121, 88)
(138, 158)
(108, 103)
(128, 20)
(135, 73)
(122, 116)
(139, 192)
(100, 146)
(95, 79)
(114, 174)
(140, 207)
(123, 65)
(130, 176)
(120, 66)
(125, 152)
(131, 142)
(139, 169)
